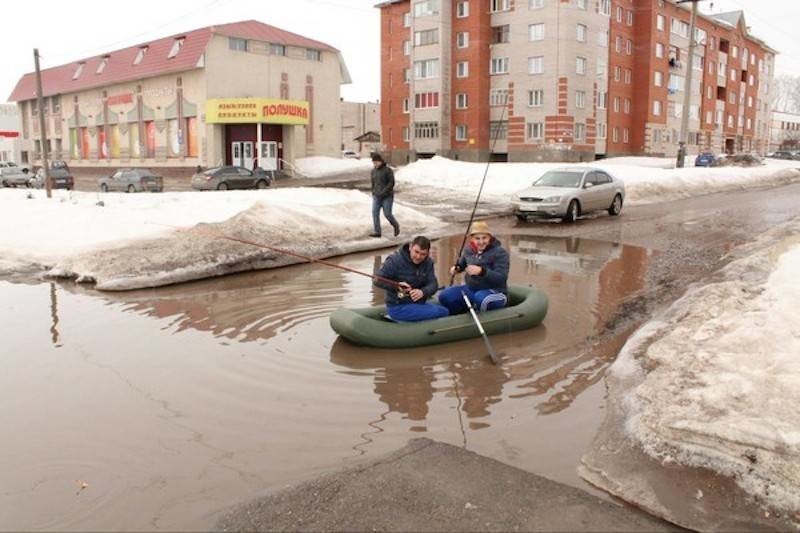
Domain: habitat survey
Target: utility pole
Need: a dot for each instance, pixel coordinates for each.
(687, 87)
(42, 130)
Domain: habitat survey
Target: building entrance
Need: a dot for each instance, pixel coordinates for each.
(242, 154)
(269, 155)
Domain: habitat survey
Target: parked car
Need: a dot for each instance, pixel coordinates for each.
(132, 180)
(231, 177)
(350, 154)
(60, 177)
(570, 192)
(705, 159)
(785, 154)
(13, 177)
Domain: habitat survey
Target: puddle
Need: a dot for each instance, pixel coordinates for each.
(155, 409)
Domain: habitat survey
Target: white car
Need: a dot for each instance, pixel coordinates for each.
(569, 192)
(350, 154)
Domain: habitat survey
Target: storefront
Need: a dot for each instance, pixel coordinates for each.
(254, 128)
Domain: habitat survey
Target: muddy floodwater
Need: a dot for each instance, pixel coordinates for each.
(158, 409)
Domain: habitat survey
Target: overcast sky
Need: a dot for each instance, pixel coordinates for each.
(69, 31)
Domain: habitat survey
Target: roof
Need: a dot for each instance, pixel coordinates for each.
(731, 17)
(120, 67)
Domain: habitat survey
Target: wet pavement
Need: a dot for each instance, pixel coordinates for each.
(158, 409)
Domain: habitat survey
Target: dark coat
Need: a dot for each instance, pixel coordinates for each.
(495, 263)
(399, 267)
(382, 181)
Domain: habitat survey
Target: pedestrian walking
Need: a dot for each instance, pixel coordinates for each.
(382, 195)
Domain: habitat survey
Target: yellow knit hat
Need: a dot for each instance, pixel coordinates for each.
(479, 227)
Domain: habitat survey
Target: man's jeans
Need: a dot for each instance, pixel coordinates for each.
(384, 203)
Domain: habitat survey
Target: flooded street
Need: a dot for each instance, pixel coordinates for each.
(158, 409)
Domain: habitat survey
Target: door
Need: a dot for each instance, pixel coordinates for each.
(236, 153)
(248, 155)
(591, 196)
(269, 156)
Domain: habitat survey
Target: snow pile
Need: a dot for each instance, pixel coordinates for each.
(131, 241)
(716, 382)
(643, 184)
(640, 161)
(320, 167)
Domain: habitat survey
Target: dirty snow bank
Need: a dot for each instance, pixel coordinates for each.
(715, 382)
(643, 184)
(125, 245)
(320, 166)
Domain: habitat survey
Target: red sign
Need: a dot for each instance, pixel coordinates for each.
(117, 99)
(9, 133)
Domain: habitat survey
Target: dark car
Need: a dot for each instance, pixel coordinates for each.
(705, 159)
(60, 177)
(13, 177)
(231, 177)
(785, 154)
(132, 180)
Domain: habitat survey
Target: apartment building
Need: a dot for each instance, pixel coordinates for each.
(784, 131)
(566, 80)
(361, 127)
(243, 93)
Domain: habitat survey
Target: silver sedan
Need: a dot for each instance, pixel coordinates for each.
(567, 193)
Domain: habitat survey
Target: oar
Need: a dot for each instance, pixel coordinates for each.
(492, 355)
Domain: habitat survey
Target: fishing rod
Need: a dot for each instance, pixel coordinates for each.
(218, 234)
(480, 190)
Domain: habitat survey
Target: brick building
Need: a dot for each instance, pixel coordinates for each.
(567, 80)
(244, 93)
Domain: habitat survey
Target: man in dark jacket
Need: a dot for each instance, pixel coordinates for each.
(413, 268)
(485, 263)
(382, 195)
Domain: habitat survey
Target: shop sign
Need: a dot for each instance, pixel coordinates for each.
(256, 110)
(118, 99)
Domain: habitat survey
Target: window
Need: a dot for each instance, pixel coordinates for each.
(500, 5)
(709, 93)
(406, 48)
(498, 130)
(615, 135)
(605, 7)
(680, 27)
(462, 69)
(580, 99)
(580, 131)
(462, 39)
(629, 47)
(626, 135)
(498, 97)
(658, 78)
(461, 132)
(500, 34)
(421, 38)
(602, 99)
(55, 103)
(602, 38)
(536, 98)
(629, 18)
(240, 45)
(535, 130)
(102, 65)
(627, 107)
(426, 69)
(536, 65)
(709, 117)
(580, 33)
(277, 49)
(618, 44)
(657, 108)
(426, 130)
(498, 65)
(749, 102)
(176, 47)
(78, 70)
(616, 104)
(313, 55)
(582, 4)
(462, 10)
(535, 4)
(407, 19)
(426, 100)
(536, 32)
(580, 65)
(660, 22)
(602, 130)
(140, 54)
(602, 66)
(659, 50)
(617, 73)
(428, 7)
(735, 52)
(751, 80)
(407, 75)
(619, 14)
(406, 134)
(461, 100)
(628, 76)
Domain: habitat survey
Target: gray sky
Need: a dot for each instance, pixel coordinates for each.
(71, 31)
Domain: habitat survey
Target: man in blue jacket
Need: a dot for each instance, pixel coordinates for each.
(485, 265)
(412, 267)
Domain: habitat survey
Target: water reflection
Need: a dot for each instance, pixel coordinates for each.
(54, 336)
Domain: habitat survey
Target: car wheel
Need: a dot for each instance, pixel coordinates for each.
(616, 206)
(573, 211)
(222, 186)
(262, 184)
(522, 218)
(103, 188)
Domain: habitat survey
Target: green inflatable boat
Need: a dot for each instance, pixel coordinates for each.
(527, 307)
